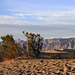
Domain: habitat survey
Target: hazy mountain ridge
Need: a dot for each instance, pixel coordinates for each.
(21, 42)
(57, 43)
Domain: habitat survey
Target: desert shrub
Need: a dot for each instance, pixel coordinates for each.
(55, 56)
(9, 48)
(8, 54)
(72, 56)
(34, 44)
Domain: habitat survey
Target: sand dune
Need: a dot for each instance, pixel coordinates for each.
(55, 51)
(32, 66)
(64, 53)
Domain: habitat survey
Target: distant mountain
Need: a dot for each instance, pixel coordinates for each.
(57, 43)
(21, 42)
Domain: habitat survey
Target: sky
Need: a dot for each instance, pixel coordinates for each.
(50, 18)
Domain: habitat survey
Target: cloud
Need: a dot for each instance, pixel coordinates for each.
(11, 20)
(15, 22)
(52, 31)
(23, 14)
(65, 18)
(11, 17)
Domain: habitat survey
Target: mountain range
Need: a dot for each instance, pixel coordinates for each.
(57, 43)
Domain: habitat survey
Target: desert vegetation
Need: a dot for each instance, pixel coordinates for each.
(9, 49)
(72, 56)
(34, 44)
(55, 56)
(31, 64)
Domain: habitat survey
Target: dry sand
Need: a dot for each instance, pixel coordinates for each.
(33, 66)
(55, 51)
(64, 53)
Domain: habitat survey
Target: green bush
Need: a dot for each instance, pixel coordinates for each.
(55, 56)
(72, 56)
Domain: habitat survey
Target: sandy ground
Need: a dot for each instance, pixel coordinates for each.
(32, 66)
(60, 51)
(40, 66)
(64, 53)
(55, 51)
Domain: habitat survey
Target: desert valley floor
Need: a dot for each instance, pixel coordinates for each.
(39, 66)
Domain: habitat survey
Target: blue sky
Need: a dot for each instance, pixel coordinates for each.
(50, 18)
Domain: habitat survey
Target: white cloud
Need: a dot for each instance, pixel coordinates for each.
(17, 22)
(8, 17)
(20, 14)
(65, 17)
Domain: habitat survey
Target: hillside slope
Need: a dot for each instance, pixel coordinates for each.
(57, 43)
